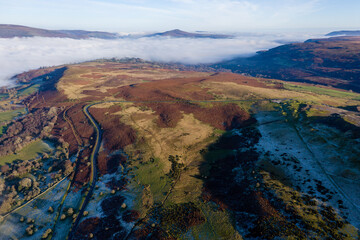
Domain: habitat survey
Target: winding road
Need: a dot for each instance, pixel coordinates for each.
(93, 174)
(93, 157)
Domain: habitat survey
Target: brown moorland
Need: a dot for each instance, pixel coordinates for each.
(166, 130)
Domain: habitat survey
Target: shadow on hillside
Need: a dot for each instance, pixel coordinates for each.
(233, 181)
(230, 176)
(336, 121)
(51, 79)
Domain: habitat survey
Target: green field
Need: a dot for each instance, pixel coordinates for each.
(151, 173)
(323, 91)
(29, 90)
(9, 115)
(29, 152)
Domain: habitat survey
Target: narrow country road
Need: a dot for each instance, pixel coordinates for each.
(93, 175)
(93, 157)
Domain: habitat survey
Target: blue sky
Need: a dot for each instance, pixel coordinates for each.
(190, 15)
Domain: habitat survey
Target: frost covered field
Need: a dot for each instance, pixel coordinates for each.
(19, 223)
(312, 160)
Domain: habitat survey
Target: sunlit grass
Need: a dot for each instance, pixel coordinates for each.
(29, 152)
(9, 115)
(29, 90)
(151, 173)
(323, 91)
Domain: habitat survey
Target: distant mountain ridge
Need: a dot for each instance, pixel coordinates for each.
(11, 31)
(331, 61)
(177, 33)
(344, 33)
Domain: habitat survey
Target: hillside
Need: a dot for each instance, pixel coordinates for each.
(332, 61)
(344, 33)
(129, 149)
(11, 31)
(176, 33)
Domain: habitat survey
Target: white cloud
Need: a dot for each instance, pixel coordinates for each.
(22, 54)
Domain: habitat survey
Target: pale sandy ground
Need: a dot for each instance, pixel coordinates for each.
(319, 158)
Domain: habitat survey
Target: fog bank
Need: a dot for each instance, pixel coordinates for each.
(22, 54)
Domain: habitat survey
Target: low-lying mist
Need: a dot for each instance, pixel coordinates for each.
(21, 54)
